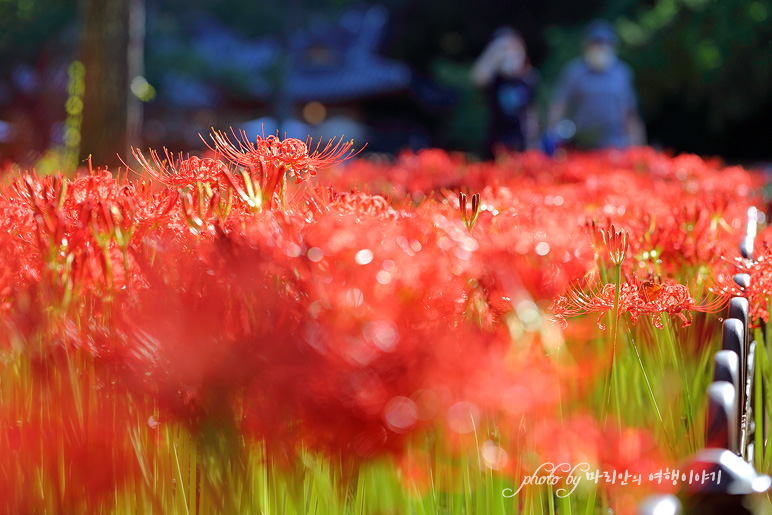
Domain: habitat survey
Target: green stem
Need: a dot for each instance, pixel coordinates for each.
(767, 400)
(768, 342)
(590, 507)
(614, 328)
(550, 500)
(757, 408)
(615, 374)
(283, 188)
(651, 395)
(679, 363)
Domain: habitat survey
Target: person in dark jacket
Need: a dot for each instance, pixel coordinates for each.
(506, 74)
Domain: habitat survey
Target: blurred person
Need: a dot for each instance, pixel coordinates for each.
(509, 80)
(595, 101)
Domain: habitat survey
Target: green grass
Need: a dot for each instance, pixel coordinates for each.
(659, 383)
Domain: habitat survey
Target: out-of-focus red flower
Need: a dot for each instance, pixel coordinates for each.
(578, 445)
(359, 203)
(77, 458)
(416, 474)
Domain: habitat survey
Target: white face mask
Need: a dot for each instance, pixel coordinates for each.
(599, 57)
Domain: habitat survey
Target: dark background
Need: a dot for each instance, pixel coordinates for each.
(703, 71)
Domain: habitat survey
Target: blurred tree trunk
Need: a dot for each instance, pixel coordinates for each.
(136, 66)
(113, 30)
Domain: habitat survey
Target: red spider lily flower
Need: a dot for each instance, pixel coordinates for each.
(693, 235)
(181, 172)
(322, 200)
(288, 155)
(616, 243)
(469, 217)
(759, 288)
(85, 226)
(262, 166)
(635, 299)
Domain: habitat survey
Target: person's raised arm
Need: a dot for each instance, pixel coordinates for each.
(484, 69)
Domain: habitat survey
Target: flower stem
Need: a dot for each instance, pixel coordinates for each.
(680, 364)
(612, 377)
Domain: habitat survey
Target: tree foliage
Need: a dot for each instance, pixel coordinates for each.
(703, 67)
(703, 70)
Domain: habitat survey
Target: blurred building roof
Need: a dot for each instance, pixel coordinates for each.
(340, 61)
(328, 61)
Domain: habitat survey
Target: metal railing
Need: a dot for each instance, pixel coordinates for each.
(727, 479)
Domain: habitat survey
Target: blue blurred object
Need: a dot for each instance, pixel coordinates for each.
(548, 143)
(560, 135)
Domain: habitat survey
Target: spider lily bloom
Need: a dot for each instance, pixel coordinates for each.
(324, 200)
(85, 226)
(267, 161)
(291, 154)
(676, 300)
(469, 217)
(606, 236)
(181, 172)
(636, 299)
(694, 234)
(759, 286)
(616, 243)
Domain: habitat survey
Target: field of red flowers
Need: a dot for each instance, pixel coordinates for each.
(270, 329)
